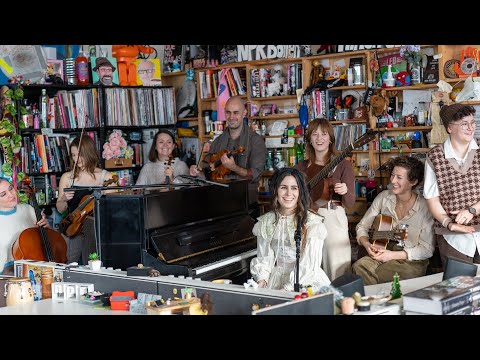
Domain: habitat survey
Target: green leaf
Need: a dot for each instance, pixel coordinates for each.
(23, 110)
(18, 94)
(7, 169)
(21, 176)
(21, 125)
(9, 94)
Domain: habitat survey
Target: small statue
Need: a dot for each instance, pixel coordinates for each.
(396, 292)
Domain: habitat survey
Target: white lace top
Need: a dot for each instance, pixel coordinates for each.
(275, 261)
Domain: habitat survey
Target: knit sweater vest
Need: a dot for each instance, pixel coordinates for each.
(458, 189)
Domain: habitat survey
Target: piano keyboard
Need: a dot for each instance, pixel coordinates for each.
(224, 262)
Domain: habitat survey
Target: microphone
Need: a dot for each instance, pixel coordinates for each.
(298, 239)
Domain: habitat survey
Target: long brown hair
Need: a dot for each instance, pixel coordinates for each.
(88, 152)
(153, 154)
(325, 126)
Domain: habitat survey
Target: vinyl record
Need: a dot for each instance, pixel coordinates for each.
(469, 66)
(448, 69)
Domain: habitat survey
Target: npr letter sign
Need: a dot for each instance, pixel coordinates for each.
(257, 52)
(346, 48)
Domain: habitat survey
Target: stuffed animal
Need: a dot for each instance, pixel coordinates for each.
(402, 79)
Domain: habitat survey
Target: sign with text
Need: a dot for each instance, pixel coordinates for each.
(347, 48)
(258, 52)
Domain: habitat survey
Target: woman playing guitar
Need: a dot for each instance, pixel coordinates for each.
(163, 166)
(84, 161)
(404, 206)
(331, 195)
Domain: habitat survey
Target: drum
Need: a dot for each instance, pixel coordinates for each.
(18, 291)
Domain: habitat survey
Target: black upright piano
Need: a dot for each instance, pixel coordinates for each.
(200, 230)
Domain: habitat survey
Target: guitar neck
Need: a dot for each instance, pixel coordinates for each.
(329, 167)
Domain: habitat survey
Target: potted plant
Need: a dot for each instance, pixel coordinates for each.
(94, 261)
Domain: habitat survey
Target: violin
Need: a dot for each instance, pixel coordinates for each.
(39, 243)
(167, 178)
(73, 222)
(215, 161)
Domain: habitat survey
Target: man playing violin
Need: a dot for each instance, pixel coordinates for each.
(248, 164)
(84, 161)
(14, 218)
(405, 206)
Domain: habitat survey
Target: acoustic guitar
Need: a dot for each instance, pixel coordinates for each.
(382, 235)
(325, 172)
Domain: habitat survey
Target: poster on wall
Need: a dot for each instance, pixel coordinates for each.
(173, 58)
(28, 61)
(148, 72)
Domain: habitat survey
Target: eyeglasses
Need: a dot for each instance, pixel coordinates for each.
(467, 125)
(149, 71)
(105, 69)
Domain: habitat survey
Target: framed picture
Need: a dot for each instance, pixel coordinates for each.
(148, 72)
(54, 68)
(173, 58)
(104, 71)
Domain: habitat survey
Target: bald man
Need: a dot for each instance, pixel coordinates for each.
(146, 70)
(247, 165)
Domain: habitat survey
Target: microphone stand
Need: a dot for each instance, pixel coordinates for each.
(298, 239)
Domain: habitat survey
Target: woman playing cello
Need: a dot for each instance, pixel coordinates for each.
(14, 218)
(84, 160)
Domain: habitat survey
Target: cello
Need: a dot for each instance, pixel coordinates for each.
(73, 222)
(39, 243)
(215, 161)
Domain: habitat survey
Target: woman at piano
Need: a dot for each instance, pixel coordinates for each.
(84, 161)
(403, 205)
(164, 165)
(274, 266)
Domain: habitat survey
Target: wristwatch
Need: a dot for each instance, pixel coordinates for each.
(472, 210)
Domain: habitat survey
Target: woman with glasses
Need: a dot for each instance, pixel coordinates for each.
(452, 185)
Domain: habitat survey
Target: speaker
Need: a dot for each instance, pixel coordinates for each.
(456, 267)
(349, 284)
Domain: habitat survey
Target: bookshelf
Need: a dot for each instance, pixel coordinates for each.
(136, 111)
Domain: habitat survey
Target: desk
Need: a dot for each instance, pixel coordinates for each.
(58, 307)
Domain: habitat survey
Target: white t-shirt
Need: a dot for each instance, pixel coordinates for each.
(11, 226)
(465, 243)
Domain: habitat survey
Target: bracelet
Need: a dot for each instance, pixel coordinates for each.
(443, 222)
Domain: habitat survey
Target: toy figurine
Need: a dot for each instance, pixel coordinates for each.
(396, 292)
(126, 55)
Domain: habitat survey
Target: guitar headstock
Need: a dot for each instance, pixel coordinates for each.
(365, 138)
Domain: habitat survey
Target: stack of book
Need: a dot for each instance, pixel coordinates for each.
(459, 295)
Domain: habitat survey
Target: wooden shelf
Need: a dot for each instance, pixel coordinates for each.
(470, 102)
(194, 118)
(275, 117)
(407, 151)
(405, 128)
(279, 136)
(215, 99)
(273, 98)
(347, 122)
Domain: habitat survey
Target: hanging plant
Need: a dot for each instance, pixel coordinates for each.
(10, 139)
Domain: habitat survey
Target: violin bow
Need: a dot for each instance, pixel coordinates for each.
(72, 174)
(201, 154)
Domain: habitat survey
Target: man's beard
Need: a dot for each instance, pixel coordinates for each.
(107, 80)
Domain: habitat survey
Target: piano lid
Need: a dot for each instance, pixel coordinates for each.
(184, 205)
